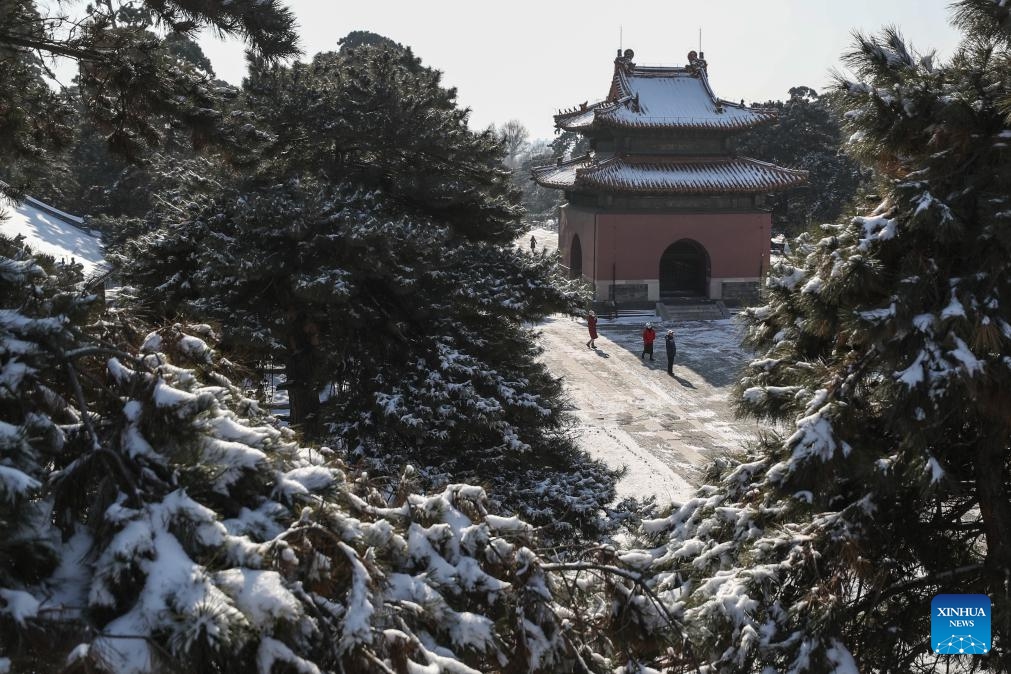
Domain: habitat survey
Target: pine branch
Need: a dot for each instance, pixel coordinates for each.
(622, 573)
(58, 47)
(113, 459)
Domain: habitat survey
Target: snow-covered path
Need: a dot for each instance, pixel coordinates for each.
(632, 413)
(547, 239)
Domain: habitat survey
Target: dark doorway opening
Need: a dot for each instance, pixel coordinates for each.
(684, 270)
(576, 258)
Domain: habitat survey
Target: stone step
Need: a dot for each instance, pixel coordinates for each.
(645, 314)
(709, 311)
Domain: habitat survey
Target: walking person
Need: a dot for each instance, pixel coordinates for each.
(648, 337)
(533, 243)
(591, 324)
(672, 351)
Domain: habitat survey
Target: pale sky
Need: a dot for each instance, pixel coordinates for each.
(524, 59)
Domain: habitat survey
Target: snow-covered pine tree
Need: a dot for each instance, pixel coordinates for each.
(884, 372)
(807, 135)
(30, 413)
(111, 468)
(154, 520)
(391, 308)
(373, 258)
(93, 179)
(131, 81)
(35, 123)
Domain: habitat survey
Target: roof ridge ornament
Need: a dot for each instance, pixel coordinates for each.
(673, 98)
(624, 61)
(697, 63)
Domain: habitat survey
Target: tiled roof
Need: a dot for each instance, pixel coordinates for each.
(561, 175)
(667, 97)
(668, 175)
(578, 119)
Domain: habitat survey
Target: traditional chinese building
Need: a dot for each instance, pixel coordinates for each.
(661, 208)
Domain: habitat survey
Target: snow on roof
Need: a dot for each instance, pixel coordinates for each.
(668, 175)
(580, 118)
(562, 175)
(52, 232)
(62, 215)
(662, 97)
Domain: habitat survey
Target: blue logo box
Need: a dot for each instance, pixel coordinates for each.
(960, 624)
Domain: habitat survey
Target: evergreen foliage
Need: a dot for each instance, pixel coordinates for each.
(361, 38)
(375, 117)
(883, 369)
(569, 144)
(372, 257)
(35, 123)
(89, 177)
(153, 519)
(130, 78)
(33, 334)
(807, 135)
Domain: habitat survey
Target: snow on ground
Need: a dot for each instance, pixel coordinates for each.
(547, 239)
(48, 234)
(631, 413)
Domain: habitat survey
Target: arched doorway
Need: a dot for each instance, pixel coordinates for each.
(575, 258)
(684, 270)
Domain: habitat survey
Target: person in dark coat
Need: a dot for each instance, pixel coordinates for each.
(591, 324)
(533, 242)
(648, 337)
(672, 351)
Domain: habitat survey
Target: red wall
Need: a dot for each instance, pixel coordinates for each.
(737, 243)
(576, 222)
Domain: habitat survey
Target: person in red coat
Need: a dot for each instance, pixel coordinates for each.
(648, 337)
(591, 324)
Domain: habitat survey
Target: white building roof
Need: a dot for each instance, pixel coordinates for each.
(662, 97)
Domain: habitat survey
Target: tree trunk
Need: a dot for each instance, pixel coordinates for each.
(303, 400)
(995, 509)
(302, 376)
